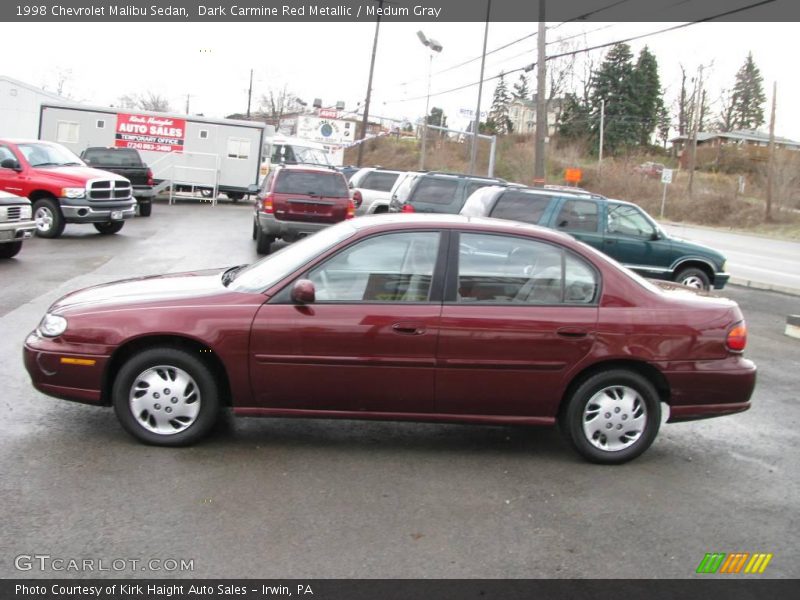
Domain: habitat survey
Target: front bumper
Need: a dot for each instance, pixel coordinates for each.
(720, 279)
(15, 231)
(63, 371)
(81, 211)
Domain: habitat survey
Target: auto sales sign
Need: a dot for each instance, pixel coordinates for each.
(148, 132)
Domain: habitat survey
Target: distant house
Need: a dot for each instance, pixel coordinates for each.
(742, 137)
(523, 115)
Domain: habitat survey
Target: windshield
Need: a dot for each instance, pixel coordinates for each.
(295, 154)
(48, 155)
(270, 270)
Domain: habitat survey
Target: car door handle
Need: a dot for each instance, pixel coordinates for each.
(572, 332)
(609, 241)
(408, 329)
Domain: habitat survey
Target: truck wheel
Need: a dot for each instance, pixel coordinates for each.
(693, 278)
(48, 217)
(109, 228)
(145, 208)
(263, 241)
(9, 250)
(235, 196)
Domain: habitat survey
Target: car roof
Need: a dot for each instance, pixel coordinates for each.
(461, 176)
(313, 168)
(447, 221)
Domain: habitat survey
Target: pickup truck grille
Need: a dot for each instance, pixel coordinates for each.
(13, 213)
(109, 190)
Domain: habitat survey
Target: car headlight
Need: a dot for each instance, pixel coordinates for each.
(724, 266)
(26, 212)
(52, 325)
(73, 192)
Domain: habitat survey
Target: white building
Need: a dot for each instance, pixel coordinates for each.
(20, 105)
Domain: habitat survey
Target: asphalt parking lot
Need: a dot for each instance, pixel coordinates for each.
(276, 498)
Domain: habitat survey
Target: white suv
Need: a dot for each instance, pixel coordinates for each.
(374, 186)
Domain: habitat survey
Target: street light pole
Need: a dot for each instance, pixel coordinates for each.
(434, 46)
(476, 124)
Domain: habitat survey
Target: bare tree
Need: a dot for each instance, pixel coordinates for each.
(684, 107)
(727, 117)
(278, 102)
(150, 101)
(61, 77)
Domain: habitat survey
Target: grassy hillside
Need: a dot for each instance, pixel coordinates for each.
(715, 201)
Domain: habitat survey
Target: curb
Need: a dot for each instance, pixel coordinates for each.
(757, 285)
(793, 326)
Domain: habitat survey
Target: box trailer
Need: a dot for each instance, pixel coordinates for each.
(184, 150)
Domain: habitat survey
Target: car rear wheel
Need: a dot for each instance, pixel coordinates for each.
(166, 397)
(109, 228)
(145, 209)
(612, 417)
(9, 250)
(694, 278)
(235, 196)
(263, 241)
(48, 217)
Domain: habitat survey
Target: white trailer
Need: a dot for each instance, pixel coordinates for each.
(184, 150)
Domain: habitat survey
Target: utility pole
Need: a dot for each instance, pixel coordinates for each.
(365, 119)
(696, 98)
(602, 130)
(541, 102)
(476, 124)
(249, 93)
(187, 103)
(771, 161)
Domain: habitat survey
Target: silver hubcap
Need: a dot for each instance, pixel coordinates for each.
(165, 400)
(44, 219)
(614, 418)
(693, 281)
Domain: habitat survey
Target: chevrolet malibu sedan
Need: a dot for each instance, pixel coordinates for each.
(403, 317)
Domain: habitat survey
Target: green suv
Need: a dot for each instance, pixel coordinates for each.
(620, 229)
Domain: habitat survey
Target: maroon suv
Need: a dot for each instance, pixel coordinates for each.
(296, 200)
(403, 317)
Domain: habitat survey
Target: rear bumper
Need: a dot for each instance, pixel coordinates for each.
(288, 230)
(80, 211)
(702, 390)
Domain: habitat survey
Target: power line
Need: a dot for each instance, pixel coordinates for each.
(597, 47)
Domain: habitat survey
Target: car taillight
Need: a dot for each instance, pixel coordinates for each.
(357, 199)
(737, 337)
(351, 210)
(266, 204)
(149, 177)
(407, 208)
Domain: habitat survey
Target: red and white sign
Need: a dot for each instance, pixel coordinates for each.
(147, 132)
(328, 113)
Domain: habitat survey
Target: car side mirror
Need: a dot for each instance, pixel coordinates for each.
(10, 163)
(303, 291)
(656, 235)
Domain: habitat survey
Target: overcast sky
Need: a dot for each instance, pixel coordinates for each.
(212, 62)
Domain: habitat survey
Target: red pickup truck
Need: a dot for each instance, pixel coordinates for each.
(63, 189)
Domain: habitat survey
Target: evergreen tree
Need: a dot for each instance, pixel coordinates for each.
(521, 91)
(648, 96)
(615, 83)
(498, 113)
(575, 120)
(748, 96)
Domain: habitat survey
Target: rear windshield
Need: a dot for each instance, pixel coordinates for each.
(380, 182)
(307, 183)
(521, 206)
(112, 158)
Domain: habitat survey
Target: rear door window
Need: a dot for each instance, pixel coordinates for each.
(306, 183)
(435, 190)
(578, 215)
(521, 206)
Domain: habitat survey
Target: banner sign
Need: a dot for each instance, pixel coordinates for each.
(148, 132)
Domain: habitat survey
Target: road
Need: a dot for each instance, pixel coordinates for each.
(756, 261)
(301, 498)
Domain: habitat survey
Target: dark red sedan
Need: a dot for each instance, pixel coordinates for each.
(403, 317)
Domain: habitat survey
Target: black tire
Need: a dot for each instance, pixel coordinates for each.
(693, 277)
(255, 228)
(10, 249)
(263, 241)
(235, 196)
(109, 228)
(168, 367)
(145, 208)
(637, 399)
(49, 220)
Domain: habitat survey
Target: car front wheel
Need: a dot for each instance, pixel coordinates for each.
(10, 249)
(694, 278)
(109, 228)
(166, 397)
(49, 220)
(612, 417)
